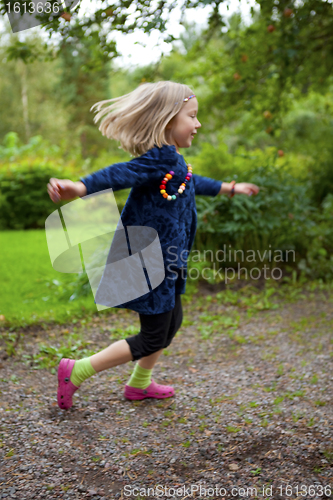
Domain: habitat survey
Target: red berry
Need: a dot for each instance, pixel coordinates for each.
(66, 15)
(267, 114)
(287, 12)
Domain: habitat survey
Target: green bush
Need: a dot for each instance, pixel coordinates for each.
(318, 261)
(277, 216)
(321, 174)
(12, 148)
(24, 201)
(285, 215)
(25, 170)
(218, 163)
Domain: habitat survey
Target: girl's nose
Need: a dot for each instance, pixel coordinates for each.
(198, 125)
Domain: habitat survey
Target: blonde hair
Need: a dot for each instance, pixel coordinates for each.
(139, 119)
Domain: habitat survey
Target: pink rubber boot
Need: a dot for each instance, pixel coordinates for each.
(153, 390)
(66, 388)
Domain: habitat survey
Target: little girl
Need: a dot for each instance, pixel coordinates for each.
(152, 123)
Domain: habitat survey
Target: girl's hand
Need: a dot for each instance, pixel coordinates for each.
(246, 188)
(65, 189)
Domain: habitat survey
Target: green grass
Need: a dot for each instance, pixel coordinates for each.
(48, 356)
(31, 290)
(230, 428)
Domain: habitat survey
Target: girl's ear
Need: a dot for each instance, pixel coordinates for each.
(169, 125)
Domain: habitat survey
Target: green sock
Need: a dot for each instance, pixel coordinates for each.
(140, 378)
(81, 371)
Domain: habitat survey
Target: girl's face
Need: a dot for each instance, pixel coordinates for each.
(181, 129)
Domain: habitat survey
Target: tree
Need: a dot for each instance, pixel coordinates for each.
(289, 41)
(84, 80)
(286, 51)
(122, 15)
(29, 104)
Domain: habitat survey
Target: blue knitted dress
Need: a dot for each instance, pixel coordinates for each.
(175, 221)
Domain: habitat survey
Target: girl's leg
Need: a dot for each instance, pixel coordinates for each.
(141, 376)
(118, 353)
(148, 362)
(156, 331)
(155, 334)
(72, 373)
(114, 355)
(177, 320)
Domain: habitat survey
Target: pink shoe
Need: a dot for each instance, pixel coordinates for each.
(152, 391)
(66, 388)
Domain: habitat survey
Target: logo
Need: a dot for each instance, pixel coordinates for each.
(122, 263)
(26, 14)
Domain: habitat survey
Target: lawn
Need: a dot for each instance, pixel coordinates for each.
(31, 290)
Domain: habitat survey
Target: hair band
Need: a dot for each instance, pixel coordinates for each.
(187, 98)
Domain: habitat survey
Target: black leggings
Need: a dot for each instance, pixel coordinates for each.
(157, 331)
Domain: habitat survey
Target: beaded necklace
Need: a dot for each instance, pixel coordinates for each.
(181, 188)
(170, 174)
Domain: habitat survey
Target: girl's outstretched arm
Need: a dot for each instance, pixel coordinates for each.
(135, 172)
(65, 189)
(210, 187)
(239, 188)
(206, 186)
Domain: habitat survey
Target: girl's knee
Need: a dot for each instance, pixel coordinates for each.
(152, 350)
(141, 346)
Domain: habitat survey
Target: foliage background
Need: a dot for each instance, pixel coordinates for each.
(265, 93)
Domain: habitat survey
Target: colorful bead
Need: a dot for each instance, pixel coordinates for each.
(181, 188)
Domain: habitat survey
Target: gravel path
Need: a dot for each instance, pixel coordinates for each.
(252, 410)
